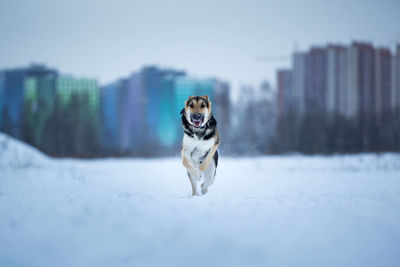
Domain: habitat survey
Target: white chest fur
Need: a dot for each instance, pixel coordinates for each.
(195, 149)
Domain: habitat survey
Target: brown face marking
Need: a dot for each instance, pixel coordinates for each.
(198, 104)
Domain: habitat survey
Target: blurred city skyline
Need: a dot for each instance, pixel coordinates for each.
(334, 99)
(241, 42)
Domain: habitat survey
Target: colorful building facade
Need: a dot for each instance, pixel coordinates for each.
(1, 98)
(67, 86)
(110, 115)
(13, 87)
(39, 102)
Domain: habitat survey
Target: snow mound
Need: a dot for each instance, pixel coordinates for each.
(15, 153)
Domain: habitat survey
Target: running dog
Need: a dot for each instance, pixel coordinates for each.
(200, 142)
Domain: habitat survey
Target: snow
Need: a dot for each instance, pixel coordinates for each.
(264, 211)
(14, 153)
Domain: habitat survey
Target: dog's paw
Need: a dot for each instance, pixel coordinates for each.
(196, 194)
(204, 191)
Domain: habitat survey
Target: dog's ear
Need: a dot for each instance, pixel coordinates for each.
(182, 111)
(208, 100)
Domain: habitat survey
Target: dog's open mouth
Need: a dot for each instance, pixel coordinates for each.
(197, 123)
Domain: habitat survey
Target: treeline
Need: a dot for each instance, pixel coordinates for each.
(74, 130)
(327, 134)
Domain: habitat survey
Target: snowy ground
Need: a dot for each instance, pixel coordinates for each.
(268, 211)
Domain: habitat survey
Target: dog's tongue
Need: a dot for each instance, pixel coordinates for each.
(197, 123)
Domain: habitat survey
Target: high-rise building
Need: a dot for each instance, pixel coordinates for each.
(383, 81)
(345, 80)
(133, 110)
(79, 100)
(167, 131)
(395, 95)
(325, 79)
(128, 115)
(335, 77)
(1, 97)
(110, 115)
(366, 76)
(168, 119)
(299, 80)
(344, 86)
(13, 88)
(28, 89)
(154, 83)
(145, 107)
(68, 86)
(39, 102)
(151, 82)
(285, 97)
(349, 93)
(316, 80)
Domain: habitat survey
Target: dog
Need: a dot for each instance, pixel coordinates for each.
(200, 142)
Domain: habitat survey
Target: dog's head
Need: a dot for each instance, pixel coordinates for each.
(197, 110)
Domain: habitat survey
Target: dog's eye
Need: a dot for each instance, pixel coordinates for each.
(202, 105)
(191, 105)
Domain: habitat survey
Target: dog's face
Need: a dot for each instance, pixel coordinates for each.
(197, 110)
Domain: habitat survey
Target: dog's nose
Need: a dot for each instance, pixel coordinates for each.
(197, 116)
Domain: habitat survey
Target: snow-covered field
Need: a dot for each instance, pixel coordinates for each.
(266, 211)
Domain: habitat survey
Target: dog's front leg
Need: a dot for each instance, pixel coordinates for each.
(193, 182)
(193, 172)
(190, 168)
(204, 165)
(194, 176)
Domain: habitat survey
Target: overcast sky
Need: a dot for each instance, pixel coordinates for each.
(110, 39)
